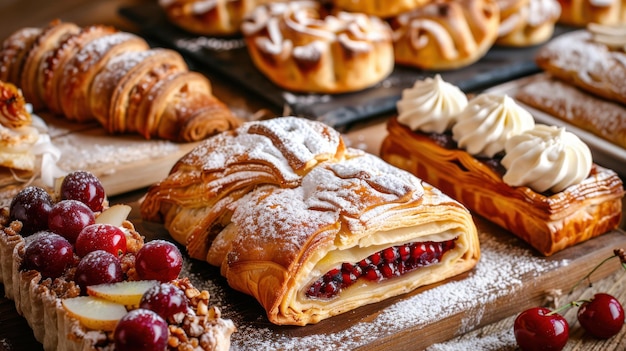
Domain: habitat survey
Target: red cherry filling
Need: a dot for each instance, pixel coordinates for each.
(388, 263)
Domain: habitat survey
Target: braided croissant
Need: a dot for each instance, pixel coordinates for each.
(100, 73)
(445, 34)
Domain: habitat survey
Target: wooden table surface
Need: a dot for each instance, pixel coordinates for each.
(15, 334)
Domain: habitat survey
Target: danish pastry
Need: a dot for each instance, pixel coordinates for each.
(209, 17)
(592, 60)
(527, 22)
(500, 170)
(65, 69)
(308, 227)
(379, 8)
(445, 34)
(299, 47)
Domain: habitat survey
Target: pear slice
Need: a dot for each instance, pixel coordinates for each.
(94, 313)
(114, 215)
(127, 293)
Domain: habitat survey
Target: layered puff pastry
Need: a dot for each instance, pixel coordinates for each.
(301, 47)
(535, 181)
(310, 228)
(92, 73)
(445, 34)
(592, 59)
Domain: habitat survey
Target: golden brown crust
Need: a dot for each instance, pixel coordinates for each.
(445, 34)
(31, 76)
(15, 48)
(578, 59)
(80, 71)
(299, 47)
(55, 63)
(276, 204)
(582, 12)
(379, 8)
(65, 69)
(205, 17)
(548, 222)
(527, 22)
(603, 118)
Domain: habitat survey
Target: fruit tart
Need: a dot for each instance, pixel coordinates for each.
(84, 279)
(307, 226)
(537, 181)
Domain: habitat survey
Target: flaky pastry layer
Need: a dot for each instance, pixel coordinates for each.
(548, 222)
(278, 204)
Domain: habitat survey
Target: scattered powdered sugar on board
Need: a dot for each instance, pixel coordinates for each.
(89, 156)
(500, 272)
(502, 341)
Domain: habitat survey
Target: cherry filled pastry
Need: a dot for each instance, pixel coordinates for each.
(307, 226)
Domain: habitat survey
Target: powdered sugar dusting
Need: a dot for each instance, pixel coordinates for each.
(80, 155)
(503, 267)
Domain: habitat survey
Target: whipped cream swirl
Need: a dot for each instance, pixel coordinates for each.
(430, 105)
(546, 158)
(484, 126)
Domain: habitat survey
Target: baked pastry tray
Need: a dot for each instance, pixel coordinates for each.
(509, 277)
(229, 57)
(604, 152)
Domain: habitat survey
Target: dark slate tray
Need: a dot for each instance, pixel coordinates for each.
(229, 57)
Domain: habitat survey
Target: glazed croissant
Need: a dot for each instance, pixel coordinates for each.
(309, 227)
(114, 77)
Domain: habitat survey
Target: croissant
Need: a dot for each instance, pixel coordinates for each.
(445, 34)
(307, 226)
(100, 73)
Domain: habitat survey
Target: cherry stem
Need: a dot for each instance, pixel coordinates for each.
(575, 303)
(618, 253)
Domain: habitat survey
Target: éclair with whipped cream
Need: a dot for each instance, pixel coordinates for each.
(537, 181)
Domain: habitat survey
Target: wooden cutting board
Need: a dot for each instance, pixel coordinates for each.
(122, 162)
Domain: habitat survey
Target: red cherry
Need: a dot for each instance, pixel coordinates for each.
(98, 267)
(101, 236)
(537, 329)
(166, 299)
(48, 253)
(31, 206)
(84, 187)
(68, 217)
(140, 330)
(601, 317)
(158, 260)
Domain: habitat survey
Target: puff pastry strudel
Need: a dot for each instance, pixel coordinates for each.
(307, 226)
